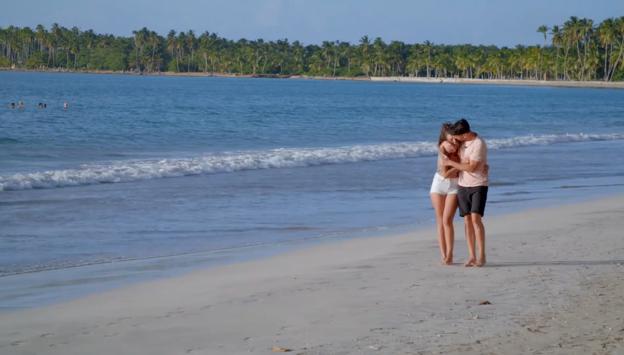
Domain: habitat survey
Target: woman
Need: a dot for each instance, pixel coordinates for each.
(444, 194)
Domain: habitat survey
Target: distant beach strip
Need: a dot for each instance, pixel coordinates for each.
(395, 79)
(578, 49)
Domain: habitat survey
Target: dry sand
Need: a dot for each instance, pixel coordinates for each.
(555, 281)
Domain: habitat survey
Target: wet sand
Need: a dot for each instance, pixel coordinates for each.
(553, 284)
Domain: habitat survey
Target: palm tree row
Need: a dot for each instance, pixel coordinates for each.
(575, 50)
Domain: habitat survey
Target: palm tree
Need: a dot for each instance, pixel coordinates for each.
(586, 30)
(74, 44)
(154, 41)
(191, 45)
(204, 45)
(88, 39)
(140, 39)
(298, 55)
(619, 39)
(180, 47)
(172, 46)
(327, 53)
(428, 46)
(543, 29)
(240, 52)
(56, 38)
(345, 53)
(493, 66)
(40, 35)
(606, 36)
(443, 65)
(364, 55)
(570, 37)
(25, 39)
(379, 57)
(414, 61)
(396, 57)
(462, 62)
(557, 41)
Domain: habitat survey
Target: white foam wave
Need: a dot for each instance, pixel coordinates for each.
(547, 139)
(126, 171)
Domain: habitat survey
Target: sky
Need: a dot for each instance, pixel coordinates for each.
(498, 22)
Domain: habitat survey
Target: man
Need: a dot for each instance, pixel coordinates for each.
(473, 187)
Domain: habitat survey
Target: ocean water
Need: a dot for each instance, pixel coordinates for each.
(147, 177)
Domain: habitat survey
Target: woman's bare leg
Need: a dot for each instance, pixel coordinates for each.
(438, 202)
(450, 206)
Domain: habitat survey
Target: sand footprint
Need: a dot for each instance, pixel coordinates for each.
(17, 342)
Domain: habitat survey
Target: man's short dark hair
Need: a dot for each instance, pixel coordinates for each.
(460, 127)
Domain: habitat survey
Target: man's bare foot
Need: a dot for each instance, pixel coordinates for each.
(480, 262)
(448, 260)
(470, 263)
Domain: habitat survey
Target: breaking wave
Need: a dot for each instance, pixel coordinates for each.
(135, 170)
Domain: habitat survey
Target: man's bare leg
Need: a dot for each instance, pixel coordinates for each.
(470, 240)
(479, 231)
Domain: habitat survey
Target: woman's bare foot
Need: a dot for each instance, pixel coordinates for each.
(470, 263)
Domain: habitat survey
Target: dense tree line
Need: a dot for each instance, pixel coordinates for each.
(576, 50)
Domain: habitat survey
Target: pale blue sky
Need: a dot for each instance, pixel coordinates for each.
(500, 22)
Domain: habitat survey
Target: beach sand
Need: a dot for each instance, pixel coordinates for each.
(521, 82)
(403, 79)
(554, 281)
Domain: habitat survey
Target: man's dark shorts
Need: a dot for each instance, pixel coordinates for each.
(472, 200)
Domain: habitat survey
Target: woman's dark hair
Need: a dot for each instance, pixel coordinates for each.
(444, 130)
(460, 127)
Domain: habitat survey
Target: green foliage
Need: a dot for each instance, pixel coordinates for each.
(5, 62)
(108, 59)
(173, 65)
(619, 75)
(578, 50)
(35, 61)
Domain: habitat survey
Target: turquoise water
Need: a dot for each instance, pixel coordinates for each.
(149, 176)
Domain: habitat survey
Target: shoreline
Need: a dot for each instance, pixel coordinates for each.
(401, 79)
(550, 288)
(69, 283)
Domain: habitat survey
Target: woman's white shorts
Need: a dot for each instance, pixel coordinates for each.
(443, 186)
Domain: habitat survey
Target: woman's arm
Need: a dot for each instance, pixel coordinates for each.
(449, 172)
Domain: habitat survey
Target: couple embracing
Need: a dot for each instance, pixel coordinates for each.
(461, 180)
